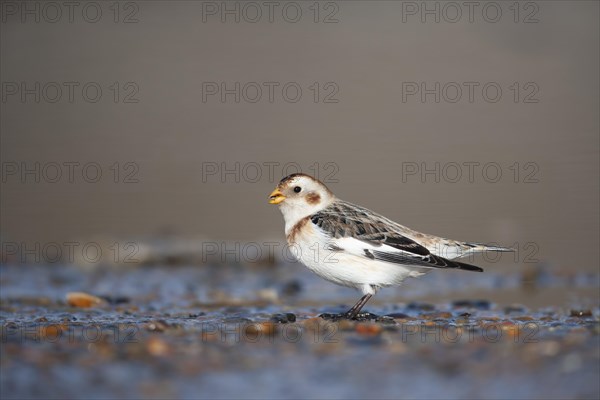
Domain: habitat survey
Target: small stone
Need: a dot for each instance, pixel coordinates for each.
(283, 318)
(158, 347)
(52, 332)
(83, 300)
(368, 329)
(156, 326)
(508, 326)
(581, 313)
(261, 328)
(291, 288)
(116, 299)
(291, 317)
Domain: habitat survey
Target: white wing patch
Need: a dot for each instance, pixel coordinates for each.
(367, 250)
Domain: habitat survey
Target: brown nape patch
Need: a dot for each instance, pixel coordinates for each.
(313, 198)
(291, 237)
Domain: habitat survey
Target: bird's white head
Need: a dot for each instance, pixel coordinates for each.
(300, 195)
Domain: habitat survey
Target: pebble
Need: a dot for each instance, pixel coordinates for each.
(581, 313)
(291, 288)
(157, 326)
(509, 328)
(83, 300)
(261, 328)
(116, 299)
(158, 347)
(283, 318)
(368, 329)
(52, 332)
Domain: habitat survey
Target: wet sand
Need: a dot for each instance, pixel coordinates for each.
(272, 344)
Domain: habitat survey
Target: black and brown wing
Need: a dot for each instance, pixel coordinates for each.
(359, 231)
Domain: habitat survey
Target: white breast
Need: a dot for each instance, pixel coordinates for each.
(343, 261)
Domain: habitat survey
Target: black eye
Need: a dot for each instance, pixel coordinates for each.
(297, 189)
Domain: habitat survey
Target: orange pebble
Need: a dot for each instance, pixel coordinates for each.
(83, 300)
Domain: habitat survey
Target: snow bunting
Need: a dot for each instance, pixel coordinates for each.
(352, 246)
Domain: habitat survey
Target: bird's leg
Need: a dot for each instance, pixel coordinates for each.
(353, 312)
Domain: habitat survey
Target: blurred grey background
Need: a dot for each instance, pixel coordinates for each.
(170, 53)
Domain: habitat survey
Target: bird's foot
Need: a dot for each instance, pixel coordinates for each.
(365, 316)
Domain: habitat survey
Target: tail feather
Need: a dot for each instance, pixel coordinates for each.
(467, 267)
(479, 247)
(440, 262)
(452, 249)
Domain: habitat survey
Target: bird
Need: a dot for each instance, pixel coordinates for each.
(352, 246)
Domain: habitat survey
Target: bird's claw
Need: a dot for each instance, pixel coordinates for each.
(365, 316)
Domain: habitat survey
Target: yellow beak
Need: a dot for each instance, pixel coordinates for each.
(276, 197)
